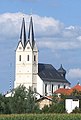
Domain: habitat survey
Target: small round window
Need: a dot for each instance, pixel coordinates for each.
(20, 48)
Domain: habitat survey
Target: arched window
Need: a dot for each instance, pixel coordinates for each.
(58, 86)
(52, 88)
(64, 86)
(27, 57)
(34, 57)
(19, 57)
(45, 89)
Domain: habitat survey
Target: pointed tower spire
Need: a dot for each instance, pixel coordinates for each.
(31, 33)
(23, 34)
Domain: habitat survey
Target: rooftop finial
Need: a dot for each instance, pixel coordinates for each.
(61, 66)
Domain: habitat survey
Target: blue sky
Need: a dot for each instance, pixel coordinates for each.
(67, 11)
(57, 25)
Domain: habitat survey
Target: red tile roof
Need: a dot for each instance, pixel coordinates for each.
(68, 91)
(63, 91)
(77, 87)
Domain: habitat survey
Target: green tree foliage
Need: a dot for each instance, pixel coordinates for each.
(55, 99)
(54, 108)
(18, 101)
(31, 105)
(2, 105)
(57, 106)
(23, 101)
(45, 109)
(7, 108)
(76, 110)
(76, 93)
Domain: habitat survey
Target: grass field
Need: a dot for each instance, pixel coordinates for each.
(41, 117)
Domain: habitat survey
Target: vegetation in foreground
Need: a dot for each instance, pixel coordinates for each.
(41, 117)
(24, 101)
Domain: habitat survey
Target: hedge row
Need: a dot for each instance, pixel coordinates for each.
(41, 117)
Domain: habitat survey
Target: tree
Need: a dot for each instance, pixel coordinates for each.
(18, 100)
(31, 105)
(76, 110)
(45, 109)
(57, 108)
(7, 108)
(2, 105)
(55, 99)
(23, 101)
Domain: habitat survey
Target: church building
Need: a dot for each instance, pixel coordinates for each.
(43, 78)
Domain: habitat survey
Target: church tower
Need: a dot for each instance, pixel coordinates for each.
(26, 59)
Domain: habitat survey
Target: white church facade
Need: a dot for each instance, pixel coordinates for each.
(43, 78)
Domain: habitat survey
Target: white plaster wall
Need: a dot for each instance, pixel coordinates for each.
(26, 71)
(8, 94)
(23, 74)
(40, 86)
(55, 86)
(70, 105)
(75, 104)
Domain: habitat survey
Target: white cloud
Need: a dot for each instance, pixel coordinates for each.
(44, 26)
(49, 32)
(79, 38)
(47, 26)
(70, 28)
(58, 44)
(74, 73)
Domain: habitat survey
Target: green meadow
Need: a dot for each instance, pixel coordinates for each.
(41, 117)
